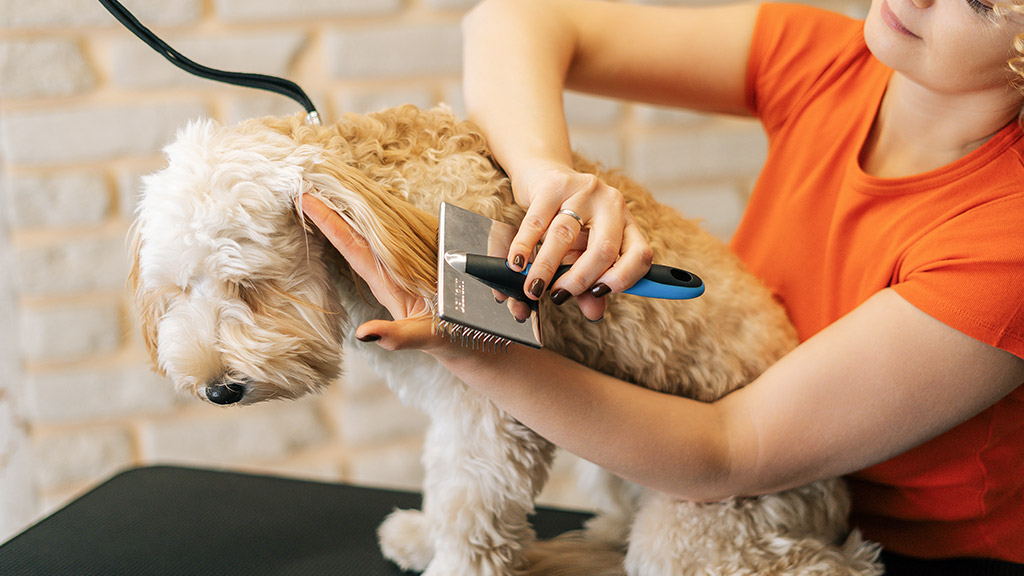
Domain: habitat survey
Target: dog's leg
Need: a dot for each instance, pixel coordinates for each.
(483, 471)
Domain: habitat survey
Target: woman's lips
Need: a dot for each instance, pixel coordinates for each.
(893, 22)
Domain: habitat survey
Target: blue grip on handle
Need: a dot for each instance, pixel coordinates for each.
(660, 281)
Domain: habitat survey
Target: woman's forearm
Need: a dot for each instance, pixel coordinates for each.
(664, 442)
(515, 57)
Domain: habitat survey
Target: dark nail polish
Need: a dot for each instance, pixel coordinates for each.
(368, 338)
(560, 296)
(518, 261)
(537, 288)
(600, 290)
(595, 321)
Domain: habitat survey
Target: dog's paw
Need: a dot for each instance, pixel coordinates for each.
(404, 538)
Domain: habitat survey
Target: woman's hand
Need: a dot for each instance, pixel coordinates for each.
(412, 327)
(580, 219)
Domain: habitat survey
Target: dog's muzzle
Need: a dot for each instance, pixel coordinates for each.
(224, 394)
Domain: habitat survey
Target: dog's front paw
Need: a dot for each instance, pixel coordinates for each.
(405, 539)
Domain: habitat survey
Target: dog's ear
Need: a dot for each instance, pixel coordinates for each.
(147, 306)
(402, 237)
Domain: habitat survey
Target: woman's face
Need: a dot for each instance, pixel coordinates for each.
(949, 46)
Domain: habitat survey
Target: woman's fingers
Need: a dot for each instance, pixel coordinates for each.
(576, 218)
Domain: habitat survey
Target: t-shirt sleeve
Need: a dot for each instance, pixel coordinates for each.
(792, 49)
(969, 273)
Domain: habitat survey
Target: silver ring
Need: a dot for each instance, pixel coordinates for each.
(576, 216)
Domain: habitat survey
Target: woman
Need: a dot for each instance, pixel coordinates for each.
(888, 219)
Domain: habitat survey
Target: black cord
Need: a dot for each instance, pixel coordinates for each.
(258, 81)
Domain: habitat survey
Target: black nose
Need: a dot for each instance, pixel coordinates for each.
(225, 393)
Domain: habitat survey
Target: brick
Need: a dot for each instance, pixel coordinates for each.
(70, 331)
(387, 51)
(91, 133)
(17, 495)
(377, 418)
(445, 5)
(93, 394)
(719, 206)
(392, 465)
(233, 435)
(726, 150)
(55, 200)
(51, 13)
(43, 68)
(366, 101)
(662, 116)
(10, 358)
(275, 10)
(84, 264)
(603, 147)
(584, 110)
(79, 456)
(128, 182)
(135, 65)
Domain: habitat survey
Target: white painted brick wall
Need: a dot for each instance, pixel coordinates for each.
(215, 436)
(134, 65)
(72, 331)
(43, 68)
(47, 14)
(57, 200)
(74, 456)
(84, 112)
(395, 50)
(275, 10)
(92, 394)
(90, 264)
(64, 135)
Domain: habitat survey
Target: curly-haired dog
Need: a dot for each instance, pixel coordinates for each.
(239, 301)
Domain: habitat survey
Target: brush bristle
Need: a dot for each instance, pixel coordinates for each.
(470, 337)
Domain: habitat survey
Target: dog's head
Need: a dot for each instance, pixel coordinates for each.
(232, 292)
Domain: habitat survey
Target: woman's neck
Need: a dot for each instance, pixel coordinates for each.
(917, 130)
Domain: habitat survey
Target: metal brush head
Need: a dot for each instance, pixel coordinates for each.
(466, 307)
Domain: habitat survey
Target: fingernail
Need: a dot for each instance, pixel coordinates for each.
(521, 320)
(537, 288)
(368, 338)
(559, 296)
(595, 321)
(600, 290)
(518, 261)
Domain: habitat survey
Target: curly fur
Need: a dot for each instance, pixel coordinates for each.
(230, 286)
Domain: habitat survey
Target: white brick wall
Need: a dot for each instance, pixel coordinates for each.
(85, 109)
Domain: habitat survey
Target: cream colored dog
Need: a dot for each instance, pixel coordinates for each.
(238, 301)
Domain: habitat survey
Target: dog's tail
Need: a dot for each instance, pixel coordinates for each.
(574, 553)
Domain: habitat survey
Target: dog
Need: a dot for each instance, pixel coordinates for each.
(239, 301)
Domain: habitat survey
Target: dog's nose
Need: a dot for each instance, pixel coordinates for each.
(225, 393)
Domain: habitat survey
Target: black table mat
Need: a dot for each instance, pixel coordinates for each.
(166, 521)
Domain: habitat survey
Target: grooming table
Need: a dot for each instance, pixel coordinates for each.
(164, 520)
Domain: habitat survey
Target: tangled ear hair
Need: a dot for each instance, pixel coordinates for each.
(147, 305)
(402, 238)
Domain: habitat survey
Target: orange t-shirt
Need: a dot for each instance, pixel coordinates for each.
(825, 236)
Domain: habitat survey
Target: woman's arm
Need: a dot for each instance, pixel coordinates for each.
(518, 57)
(878, 382)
